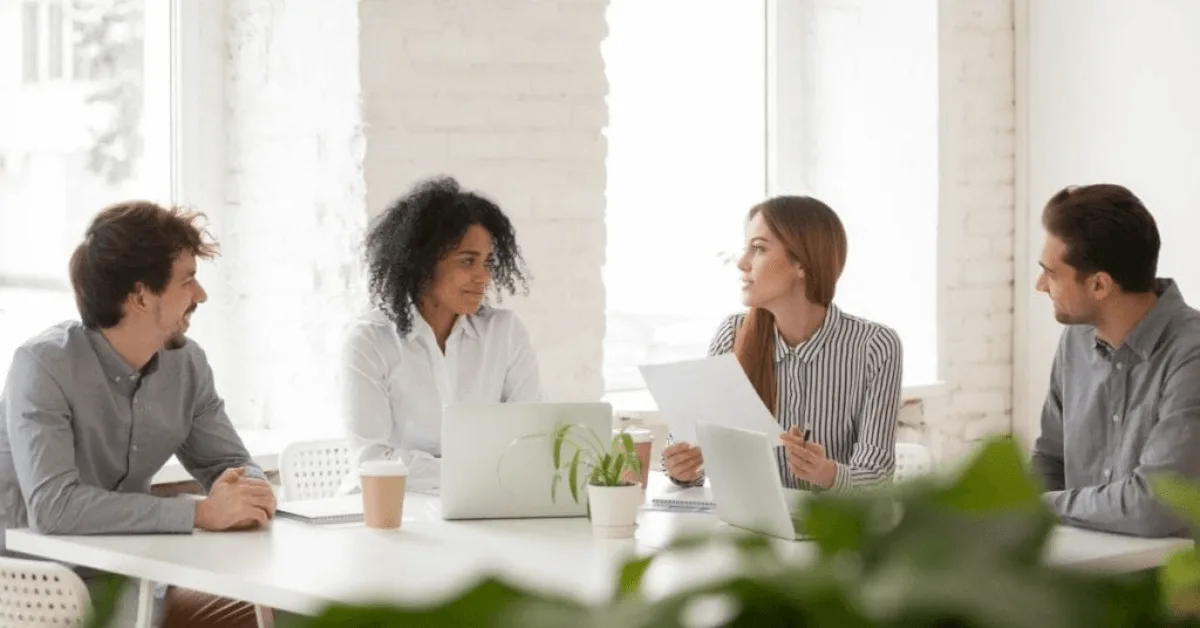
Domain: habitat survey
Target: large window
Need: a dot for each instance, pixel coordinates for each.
(686, 160)
(80, 127)
(715, 105)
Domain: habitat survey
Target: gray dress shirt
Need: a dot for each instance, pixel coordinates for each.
(1115, 417)
(84, 433)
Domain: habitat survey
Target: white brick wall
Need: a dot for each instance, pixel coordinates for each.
(975, 247)
(507, 96)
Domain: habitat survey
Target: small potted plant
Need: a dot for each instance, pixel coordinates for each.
(610, 472)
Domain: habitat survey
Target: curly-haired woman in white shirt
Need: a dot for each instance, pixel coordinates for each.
(431, 339)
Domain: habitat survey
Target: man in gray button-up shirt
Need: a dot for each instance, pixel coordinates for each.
(92, 410)
(1124, 399)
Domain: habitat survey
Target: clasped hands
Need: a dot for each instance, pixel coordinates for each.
(236, 502)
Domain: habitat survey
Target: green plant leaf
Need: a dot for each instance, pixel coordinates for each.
(627, 442)
(597, 477)
(595, 445)
(1180, 577)
(1180, 495)
(629, 579)
(614, 475)
(959, 592)
(604, 462)
(558, 436)
(490, 603)
(996, 478)
(573, 476)
(836, 525)
(106, 598)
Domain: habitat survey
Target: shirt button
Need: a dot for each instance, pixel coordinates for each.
(1120, 366)
(1116, 418)
(1107, 473)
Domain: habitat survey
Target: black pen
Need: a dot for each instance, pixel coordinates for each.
(807, 434)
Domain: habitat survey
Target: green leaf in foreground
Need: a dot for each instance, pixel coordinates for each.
(1180, 579)
(996, 478)
(1180, 495)
(490, 603)
(629, 579)
(106, 599)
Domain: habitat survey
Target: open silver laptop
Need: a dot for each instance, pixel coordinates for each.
(745, 483)
(496, 461)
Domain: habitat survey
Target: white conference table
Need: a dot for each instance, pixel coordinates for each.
(302, 568)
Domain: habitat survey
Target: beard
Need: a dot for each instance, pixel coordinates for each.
(177, 340)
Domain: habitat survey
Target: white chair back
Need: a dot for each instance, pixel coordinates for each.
(314, 469)
(912, 461)
(41, 593)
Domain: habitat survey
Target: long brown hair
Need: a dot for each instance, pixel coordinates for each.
(814, 238)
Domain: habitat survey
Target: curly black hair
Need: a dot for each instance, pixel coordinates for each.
(405, 243)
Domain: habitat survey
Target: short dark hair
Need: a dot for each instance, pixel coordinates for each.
(131, 243)
(405, 243)
(1106, 229)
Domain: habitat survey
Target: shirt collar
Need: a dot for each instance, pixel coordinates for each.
(114, 366)
(1145, 335)
(467, 325)
(808, 349)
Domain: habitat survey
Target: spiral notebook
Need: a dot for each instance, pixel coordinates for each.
(344, 509)
(697, 499)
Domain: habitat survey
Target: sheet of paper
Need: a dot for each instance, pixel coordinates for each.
(710, 390)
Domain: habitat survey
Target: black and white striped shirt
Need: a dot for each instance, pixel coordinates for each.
(843, 383)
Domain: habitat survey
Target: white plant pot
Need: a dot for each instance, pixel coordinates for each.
(614, 509)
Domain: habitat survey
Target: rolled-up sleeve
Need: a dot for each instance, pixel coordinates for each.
(43, 449)
(873, 456)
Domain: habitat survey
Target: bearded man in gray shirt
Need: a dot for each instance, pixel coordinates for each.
(1124, 399)
(92, 410)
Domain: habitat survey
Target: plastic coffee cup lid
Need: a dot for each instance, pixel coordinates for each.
(383, 468)
(639, 435)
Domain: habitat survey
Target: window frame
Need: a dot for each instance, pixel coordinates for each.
(784, 64)
(190, 104)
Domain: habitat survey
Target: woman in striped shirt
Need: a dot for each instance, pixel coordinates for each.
(820, 371)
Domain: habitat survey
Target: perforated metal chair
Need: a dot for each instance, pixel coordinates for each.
(314, 469)
(41, 593)
(912, 461)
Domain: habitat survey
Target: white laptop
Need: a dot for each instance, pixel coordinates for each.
(496, 460)
(744, 479)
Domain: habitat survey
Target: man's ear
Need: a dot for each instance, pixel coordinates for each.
(1101, 285)
(139, 299)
